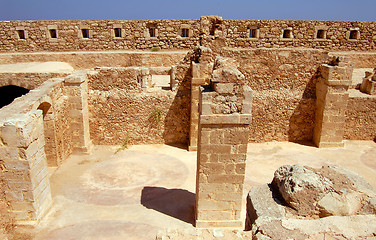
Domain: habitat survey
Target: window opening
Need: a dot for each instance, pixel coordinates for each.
(85, 33)
(117, 32)
(252, 33)
(53, 33)
(321, 34)
(287, 33)
(184, 32)
(21, 34)
(152, 32)
(354, 34)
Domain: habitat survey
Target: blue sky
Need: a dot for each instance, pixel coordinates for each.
(351, 10)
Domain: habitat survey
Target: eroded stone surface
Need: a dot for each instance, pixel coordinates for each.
(329, 201)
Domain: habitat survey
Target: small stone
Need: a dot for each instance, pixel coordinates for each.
(218, 233)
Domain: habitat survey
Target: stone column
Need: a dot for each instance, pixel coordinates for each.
(196, 82)
(77, 91)
(23, 167)
(225, 115)
(331, 103)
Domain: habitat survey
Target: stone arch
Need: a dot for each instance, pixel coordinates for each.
(49, 125)
(10, 92)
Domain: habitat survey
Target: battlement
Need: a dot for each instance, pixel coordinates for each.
(95, 35)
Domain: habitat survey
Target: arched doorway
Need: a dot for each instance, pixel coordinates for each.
(9, 93)
(49, 134)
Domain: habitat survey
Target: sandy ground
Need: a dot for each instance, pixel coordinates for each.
(136, 192)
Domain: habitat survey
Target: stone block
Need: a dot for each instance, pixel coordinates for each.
(8, 153)
(213, 168)
(261, 202)
(220, 119)
(219, 187)
(23, 206)
(219, 224)
(232, 158)
(224, 88)
(215, 215)
(216, 149)
(225, 178)
(204, 204)
(230, 196)
(30, 151)
(19, 165)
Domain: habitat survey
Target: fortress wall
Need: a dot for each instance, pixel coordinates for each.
(121, 111)
(68, 35)
(87, 60)
(71, 35)
(335, 35)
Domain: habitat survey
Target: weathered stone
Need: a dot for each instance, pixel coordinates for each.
(348, 197)
(300, 187)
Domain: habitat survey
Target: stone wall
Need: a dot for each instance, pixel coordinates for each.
(27, 80)
(72, 35)
(31, 36)
(40, 129)
(283, 82)
(88, 60)
(360, 123)
(122, 109)
(330, 35)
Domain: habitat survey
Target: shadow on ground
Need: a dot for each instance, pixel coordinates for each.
(177, 203)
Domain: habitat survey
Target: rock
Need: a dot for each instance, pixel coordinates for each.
(260, 202)
(324, 192)
(300, 187)
(334, 204)
(330, 203)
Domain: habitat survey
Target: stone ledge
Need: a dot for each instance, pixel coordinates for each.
(234, 118)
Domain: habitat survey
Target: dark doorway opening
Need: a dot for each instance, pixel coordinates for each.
(9, 93)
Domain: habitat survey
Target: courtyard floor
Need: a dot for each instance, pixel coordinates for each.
(134, 193)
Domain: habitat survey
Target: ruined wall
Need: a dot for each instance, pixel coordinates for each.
(360, 123)
(27, 80)
(121, 110)
(70, 36)
(87, 60)
(184, 34)
(283, 82)
(63, 133)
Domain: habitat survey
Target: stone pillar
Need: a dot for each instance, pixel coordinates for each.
(77, 90)
(331, 103)
(196, 82)
(225, 115)
(23, 167)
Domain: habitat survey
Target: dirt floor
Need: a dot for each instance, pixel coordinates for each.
(138, 191)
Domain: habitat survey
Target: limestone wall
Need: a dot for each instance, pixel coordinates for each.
(360, 123)
(283, 82)
(87, 60)
(330, 35)
(100, 35)
(73, 35)
(121, 109)
(27, 80)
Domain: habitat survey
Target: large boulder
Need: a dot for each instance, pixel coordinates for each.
(329, 191)
(305, 203)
